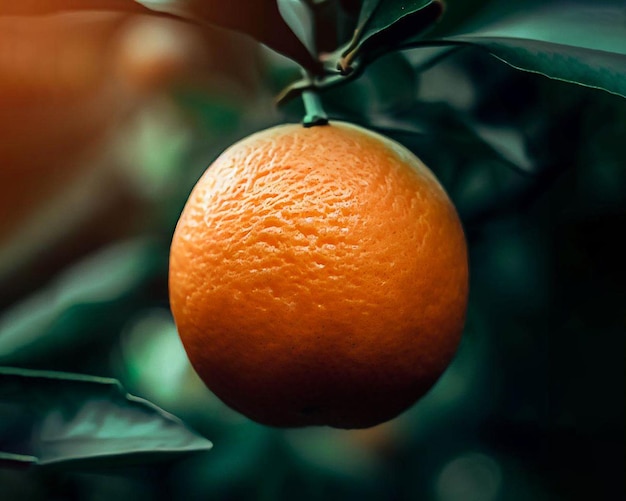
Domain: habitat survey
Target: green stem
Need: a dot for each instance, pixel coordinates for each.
(315, 114)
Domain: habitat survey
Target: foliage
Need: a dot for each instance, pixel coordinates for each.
(82, 418)
(532, 407)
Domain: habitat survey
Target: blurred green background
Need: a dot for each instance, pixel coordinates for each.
(97, 161)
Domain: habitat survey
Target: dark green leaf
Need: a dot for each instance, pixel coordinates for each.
(368, 7)
(385, 25)
(299, 17)
(59, 418)
(379, 15)
(583, 43)
(445, 128)
(15, 460)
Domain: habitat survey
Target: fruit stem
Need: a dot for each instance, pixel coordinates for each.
(315, 114)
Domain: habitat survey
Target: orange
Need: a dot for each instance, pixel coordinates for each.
(319, 276)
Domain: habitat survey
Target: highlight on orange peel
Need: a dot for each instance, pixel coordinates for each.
(319, 276)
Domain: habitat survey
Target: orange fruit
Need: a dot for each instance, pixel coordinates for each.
(318, 276)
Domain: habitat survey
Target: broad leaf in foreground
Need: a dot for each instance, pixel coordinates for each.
(57, 418)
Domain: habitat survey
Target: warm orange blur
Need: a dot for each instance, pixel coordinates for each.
(67, 82)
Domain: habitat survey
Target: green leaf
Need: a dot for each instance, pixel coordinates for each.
(260, 19)
(582, 43)
(91, 300)
(53, 418)
(460, 12)
(438, 127)
(377, 16)
(299, 17)
(384, 25)
(9, 459)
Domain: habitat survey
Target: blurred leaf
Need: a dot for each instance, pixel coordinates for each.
(74, 309)
(9, 459)
(439, 127)
(508, 143)
(577, 42)
(215, 114)
(384, 25)
(260, 19)
(299, 18)
(58, 418)
(459, 12)
(426, 58)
